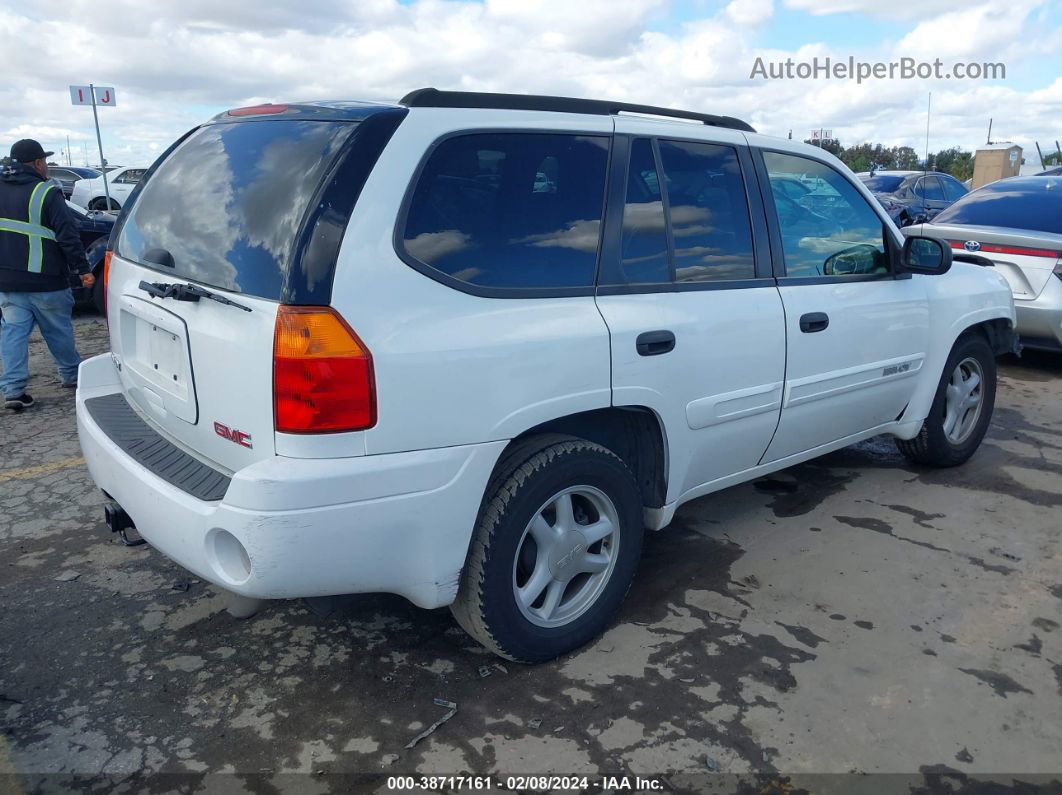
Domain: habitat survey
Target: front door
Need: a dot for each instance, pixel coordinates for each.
(695, 320)
(856, 333)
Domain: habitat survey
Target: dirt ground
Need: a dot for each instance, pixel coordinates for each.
(852, 615)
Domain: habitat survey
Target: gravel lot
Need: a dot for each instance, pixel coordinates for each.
(849, 615)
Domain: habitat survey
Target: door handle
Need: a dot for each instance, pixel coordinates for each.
(654, 343)
(814, 321)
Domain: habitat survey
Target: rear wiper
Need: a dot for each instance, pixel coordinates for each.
(186, 292)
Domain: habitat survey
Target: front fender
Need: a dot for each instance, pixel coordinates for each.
(964, 297)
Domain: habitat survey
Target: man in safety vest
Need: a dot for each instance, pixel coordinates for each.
(39, 248)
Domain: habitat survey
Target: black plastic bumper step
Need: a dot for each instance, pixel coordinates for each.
(148, 448)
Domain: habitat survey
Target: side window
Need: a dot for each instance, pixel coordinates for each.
(953, 189)
(510, 210)
(643, 257)
(710, 227)
(835, 232)
(933, 191)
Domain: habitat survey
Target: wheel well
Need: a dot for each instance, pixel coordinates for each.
(632, 433)
(999, 333)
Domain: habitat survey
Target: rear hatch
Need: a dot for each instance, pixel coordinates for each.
(228, 214)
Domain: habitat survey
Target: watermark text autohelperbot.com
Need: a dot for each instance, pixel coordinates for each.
(827, 68)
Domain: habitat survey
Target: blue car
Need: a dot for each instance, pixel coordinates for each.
(913, 197)
(94, 226)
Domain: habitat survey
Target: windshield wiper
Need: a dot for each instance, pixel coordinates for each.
(186, 292)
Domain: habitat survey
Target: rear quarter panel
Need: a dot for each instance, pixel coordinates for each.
(453, 368)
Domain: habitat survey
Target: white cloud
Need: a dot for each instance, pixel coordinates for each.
(872, 7)
(176, 63)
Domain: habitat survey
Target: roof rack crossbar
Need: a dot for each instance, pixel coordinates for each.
(434, 98)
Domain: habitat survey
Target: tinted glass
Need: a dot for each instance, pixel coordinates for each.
(882, 183)
(511, 210)
(953, 189)
(710, 228)
(228, 203)
(932, 190)
(1035, 205)
(131, 176)
(837, 233)
(644, 249)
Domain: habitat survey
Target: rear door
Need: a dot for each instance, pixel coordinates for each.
(225, 211)
(857, 335)
(696, 323)
(933, 193)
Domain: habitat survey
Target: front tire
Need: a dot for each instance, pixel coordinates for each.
(962, 408)
(101, 204)
(554, 550)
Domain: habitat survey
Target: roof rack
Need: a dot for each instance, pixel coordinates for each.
(434, 98)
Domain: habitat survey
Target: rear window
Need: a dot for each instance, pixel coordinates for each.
(509, 211)
(1038, 208)
(882, 184)
(229, 202)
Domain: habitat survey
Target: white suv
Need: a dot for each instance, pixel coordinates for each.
(467, 348)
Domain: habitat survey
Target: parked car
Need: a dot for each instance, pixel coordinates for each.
(911, 197)
(94, 226)
(1017, 224)
(66, 176)
(396, 360)
(89, 193)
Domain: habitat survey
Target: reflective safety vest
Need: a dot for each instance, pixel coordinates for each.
(33, 228)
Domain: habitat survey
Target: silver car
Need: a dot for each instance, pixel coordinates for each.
(1017, 224)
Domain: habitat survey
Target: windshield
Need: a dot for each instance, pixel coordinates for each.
(229, 202)
(1036, 206)
(882, 183)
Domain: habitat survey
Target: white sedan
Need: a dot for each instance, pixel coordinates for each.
(89, 193)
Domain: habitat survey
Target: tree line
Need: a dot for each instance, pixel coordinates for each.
(865, 157)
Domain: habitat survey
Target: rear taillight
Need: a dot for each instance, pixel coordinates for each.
(322, 373)
(106, 278)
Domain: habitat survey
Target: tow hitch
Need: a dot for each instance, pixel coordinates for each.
(119, 521)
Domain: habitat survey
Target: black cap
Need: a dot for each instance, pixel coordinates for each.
(27, 150)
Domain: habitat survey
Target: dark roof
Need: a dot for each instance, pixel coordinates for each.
(434, 98)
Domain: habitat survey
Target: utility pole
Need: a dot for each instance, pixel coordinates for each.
(1042, 166)
(989, 141)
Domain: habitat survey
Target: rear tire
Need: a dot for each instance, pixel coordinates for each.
(554, 551)
(101, 204)
(961, 411)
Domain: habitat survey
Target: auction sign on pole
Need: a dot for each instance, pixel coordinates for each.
(97, 97)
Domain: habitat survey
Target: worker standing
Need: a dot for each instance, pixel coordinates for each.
(39, 248)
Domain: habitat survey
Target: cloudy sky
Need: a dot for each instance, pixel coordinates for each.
(177, 62)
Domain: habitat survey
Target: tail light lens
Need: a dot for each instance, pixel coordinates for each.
(322, 373)
(106, 279)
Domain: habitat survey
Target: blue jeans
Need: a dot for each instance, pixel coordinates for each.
(51, 312)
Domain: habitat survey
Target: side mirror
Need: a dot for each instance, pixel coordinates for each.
(925, 255)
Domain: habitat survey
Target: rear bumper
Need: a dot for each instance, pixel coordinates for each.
(1039, 321)
(287, 527)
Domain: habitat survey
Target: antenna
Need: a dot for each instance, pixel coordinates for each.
(929, 105)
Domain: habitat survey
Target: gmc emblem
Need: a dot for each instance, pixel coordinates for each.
(239, 437)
